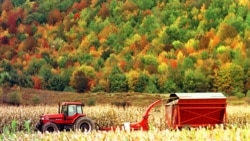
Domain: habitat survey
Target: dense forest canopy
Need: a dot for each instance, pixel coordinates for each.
(151, 46)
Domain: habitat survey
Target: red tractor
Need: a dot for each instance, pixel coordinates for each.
(70, 117)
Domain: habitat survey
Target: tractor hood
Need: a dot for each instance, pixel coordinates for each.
(51, 117)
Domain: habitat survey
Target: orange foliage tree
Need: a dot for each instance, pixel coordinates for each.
(37, 81)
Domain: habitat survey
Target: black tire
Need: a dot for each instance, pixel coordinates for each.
(50, 127)
(84, 124)
(39, 127)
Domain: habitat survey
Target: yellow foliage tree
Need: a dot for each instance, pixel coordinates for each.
(88, 70)
(132, 77)
(180, 56)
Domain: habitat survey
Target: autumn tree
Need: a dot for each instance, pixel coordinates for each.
(237, 76)
(117, 81)
(169, 86)
(204, 42)
(229, 79)
(188, 63)
(153, 85)
(149, 25)
(37, 82)
(89, 71)
(5, 76)
(38, 16)
(129, 6)
(227, 31)
(142, 82)
(247, 82)
(54, 16)
(150, 62)
(80, 5)
(6, 5)
(222, 81)
(195, 81)
(34, 66)
(79, 81)
(175, 75)
(45, 72)
(13, 19)
(104, 11)
(145, 4)
(99, 64)
(132, 77)
(29, 44)
(24, 80)
(17, 3)
(56, 82)
(65, 5)
(114, 42)
(30, 29)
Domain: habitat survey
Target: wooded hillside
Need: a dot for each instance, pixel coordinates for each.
(151, 46)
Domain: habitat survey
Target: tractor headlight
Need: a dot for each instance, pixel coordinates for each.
(44, 118)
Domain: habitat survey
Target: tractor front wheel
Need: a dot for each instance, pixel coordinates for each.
(50, 127)
(84, 124)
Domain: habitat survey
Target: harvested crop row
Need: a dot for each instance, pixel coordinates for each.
(104, 116)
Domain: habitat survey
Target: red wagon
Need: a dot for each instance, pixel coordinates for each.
(195, 110)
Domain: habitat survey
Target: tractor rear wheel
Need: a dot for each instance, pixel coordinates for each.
(50, 127)
(84, 124)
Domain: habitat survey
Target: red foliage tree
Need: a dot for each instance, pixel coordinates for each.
(91, 84)
(12, 20)
(174, 64)
(81, 5)
(13, 41)
(4, 40)
(122, 64)
(37, 82)
(54, 16)
(45, 43)
(77, 16)
(104, 11)
(6, 5)
(28, 30)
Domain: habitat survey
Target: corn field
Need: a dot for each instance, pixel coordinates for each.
(18, 123)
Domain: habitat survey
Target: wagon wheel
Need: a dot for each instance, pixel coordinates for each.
(50, 127)
(84, 124)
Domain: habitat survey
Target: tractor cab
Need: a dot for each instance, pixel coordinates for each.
(71, 108)
(70, 116)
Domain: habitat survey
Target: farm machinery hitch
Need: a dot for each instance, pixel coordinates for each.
(141, 125)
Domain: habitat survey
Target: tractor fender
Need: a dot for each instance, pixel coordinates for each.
(77, 117)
